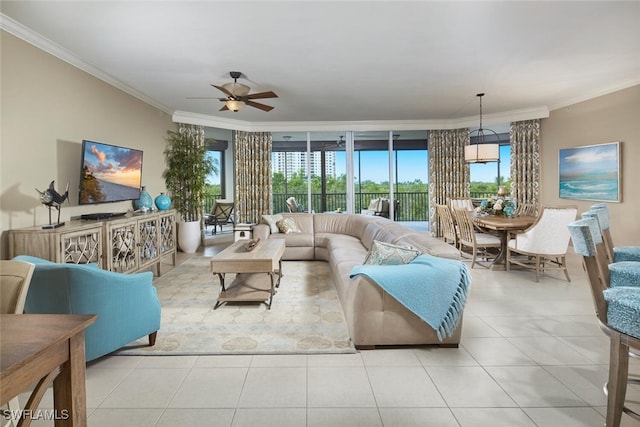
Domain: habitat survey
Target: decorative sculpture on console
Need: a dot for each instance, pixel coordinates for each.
(52, 199)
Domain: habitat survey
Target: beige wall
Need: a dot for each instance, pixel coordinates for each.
(609, 118)
(47, 108)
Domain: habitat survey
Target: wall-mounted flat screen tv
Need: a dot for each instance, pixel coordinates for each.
(109, 173)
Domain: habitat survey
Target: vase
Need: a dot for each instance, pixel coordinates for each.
(145, 201)
(502, 191)
(163, 202)
(189, 236)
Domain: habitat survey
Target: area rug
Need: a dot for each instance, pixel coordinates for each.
(305, 317)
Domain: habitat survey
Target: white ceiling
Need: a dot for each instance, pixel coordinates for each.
(355, 61)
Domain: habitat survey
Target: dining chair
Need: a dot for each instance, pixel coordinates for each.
(447, 224)
(15, 278)
(615, 253)
(544, 245)
(461, 202)
(470, 237)
(526, 209)
(617, 310)
(221, 214)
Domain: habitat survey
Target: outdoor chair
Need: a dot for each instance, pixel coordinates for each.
(293, 205)
(470, 237)
(221, 214)
(544, 245)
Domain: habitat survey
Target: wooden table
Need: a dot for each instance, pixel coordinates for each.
(250, 283)
(503, 226)
(33, 348)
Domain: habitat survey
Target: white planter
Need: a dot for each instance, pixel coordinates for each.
(189, 236)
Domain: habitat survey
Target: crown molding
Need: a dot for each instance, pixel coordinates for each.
(377, 125)
(624, 85)
(13, 27)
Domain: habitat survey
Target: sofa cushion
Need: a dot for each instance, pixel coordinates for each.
(382, 253)
(271, 221)
(288, 226)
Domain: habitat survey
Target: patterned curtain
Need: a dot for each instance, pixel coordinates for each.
(448, 171)
(525, 161)
(253, 175)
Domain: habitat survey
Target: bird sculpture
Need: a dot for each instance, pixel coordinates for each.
(52, 199)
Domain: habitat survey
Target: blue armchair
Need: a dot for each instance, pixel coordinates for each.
(127, 305)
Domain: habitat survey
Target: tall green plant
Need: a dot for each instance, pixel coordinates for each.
(187, 170)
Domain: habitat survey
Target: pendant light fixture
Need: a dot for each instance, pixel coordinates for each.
(482, 152)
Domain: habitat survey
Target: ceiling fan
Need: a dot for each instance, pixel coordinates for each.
(238, 95)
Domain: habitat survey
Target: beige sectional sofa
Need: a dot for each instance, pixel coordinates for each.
(374, 318)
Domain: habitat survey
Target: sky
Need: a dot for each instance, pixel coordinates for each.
(413, 165)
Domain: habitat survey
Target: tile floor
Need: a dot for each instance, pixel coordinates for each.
(531, 355)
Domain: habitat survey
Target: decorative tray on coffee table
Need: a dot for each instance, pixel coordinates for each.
(251, 244)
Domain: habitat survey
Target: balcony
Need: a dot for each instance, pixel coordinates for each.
(412, 207)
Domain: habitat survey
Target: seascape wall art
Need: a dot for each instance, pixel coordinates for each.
(590, 172)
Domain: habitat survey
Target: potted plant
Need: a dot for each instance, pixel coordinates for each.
(185, 176)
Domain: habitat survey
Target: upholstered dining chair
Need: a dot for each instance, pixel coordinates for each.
(447, 224)
(618, 313)
(544, 245)
(470, 237)
(15, 278)
(221, 214)
(615, 253)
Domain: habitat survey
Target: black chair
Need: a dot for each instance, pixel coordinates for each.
(221, 214)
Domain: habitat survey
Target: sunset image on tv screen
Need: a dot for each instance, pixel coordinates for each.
(109, 173)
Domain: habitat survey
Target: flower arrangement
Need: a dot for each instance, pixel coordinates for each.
(497, 205)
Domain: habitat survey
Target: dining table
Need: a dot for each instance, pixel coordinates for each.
(43, 349)
(503, 226)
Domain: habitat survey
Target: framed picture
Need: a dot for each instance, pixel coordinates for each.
(590, 172)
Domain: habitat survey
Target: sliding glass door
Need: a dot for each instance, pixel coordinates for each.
(346, 171)
(328, 172)
(411, 175)
(371, 168)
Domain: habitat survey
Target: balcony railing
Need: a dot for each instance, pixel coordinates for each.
(413, 206)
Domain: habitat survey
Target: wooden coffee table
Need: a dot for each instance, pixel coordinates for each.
(257, 272)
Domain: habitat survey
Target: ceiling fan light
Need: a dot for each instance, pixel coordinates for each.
(237, 89)
(234, 105)
(482, 153)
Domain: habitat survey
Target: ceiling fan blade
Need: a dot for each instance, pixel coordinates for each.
(223, 89)
(263, 107)
(261, 95)
(224, 108)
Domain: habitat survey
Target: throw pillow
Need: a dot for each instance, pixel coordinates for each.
(288, 225)
(382, 253)
(271, 221)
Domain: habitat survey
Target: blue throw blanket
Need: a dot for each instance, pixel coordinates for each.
(433, 288)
